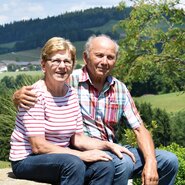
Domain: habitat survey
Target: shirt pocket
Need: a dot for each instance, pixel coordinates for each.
(112, 113)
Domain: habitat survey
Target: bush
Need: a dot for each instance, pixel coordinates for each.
(178, 128)
(179, 151)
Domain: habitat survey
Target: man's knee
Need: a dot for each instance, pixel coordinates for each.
(172, 161)
(106, 167)
(167, 160)
(125, 165)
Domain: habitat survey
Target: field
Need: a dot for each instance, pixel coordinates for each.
(20, 72)
(172, 102)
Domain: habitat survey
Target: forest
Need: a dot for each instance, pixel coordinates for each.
(151, 60)
(73, 26)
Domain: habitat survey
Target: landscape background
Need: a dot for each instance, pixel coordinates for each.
(151, 64)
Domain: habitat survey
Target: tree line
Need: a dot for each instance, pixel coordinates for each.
(74, 26)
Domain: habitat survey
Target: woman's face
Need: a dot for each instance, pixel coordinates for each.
(58, 67)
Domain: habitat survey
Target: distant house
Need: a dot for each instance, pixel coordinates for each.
(3, 68)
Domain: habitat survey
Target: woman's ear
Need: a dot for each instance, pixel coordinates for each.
(43, 66)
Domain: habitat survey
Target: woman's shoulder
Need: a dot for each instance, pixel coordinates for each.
(39, 86)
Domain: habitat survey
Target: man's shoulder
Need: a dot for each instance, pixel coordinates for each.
(76, 72)
(118, 82)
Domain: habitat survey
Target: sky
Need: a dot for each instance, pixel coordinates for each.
(17, 10)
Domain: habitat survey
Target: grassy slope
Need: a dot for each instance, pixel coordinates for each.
(172, 102)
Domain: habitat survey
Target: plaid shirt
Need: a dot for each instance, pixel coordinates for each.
(103, 111)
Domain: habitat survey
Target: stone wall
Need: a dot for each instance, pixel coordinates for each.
(8, 178)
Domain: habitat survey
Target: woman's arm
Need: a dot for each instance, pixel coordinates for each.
(42, 146)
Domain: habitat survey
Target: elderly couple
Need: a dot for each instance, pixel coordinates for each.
(64, 125)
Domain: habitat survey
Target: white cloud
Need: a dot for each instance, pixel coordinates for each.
(4, 19)
(16, 10)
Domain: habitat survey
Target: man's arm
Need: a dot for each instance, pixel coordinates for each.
(146, 145)
(83, 142)
(24, 97)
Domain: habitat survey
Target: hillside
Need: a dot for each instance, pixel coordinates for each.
(75, 26)
(172, 102)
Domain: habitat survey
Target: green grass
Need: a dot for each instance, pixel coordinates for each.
(8, 45)
(14, 74)
(4, 164)
(34, 54)
(172, 102)
(27, 55)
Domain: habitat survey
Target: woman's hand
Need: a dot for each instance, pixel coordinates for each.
(94, 155)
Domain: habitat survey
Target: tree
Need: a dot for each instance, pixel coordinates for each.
(178, 127)
(153, 44)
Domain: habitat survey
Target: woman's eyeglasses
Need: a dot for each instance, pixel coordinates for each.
(57, 62)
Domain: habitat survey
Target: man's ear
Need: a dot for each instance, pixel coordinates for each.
(43, 66)
(85, 57)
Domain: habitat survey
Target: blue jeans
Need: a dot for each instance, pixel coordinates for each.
(125, 168)
(64, 169)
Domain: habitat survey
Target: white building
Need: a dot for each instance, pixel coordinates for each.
(3, 68)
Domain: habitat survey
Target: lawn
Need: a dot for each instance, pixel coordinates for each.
(172, 102)
(4, 164)
(20, 72)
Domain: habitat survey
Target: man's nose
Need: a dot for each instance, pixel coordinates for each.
(104, 60)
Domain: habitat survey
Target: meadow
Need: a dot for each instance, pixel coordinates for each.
(172, 102)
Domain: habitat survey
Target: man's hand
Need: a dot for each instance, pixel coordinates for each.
(94, 155)
(150, 174)
(118, 150)
(24, 97)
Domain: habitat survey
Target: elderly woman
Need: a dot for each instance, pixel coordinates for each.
(42, 135)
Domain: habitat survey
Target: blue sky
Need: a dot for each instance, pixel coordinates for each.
(16, 10)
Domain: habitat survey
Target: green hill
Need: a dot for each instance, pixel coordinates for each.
(34, 54)
(172, 102)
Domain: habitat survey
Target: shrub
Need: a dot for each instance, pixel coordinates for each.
(179, 151)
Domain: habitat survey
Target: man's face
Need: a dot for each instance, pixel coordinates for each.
(102, 58)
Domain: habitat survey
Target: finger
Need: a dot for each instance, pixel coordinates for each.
(143, 179)
(126, 151)
(118, 153)
(29, 98)
(28, 87)
(106, 156)
(28, 103)
(24, 106)
(30, 93)
(104, 159)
